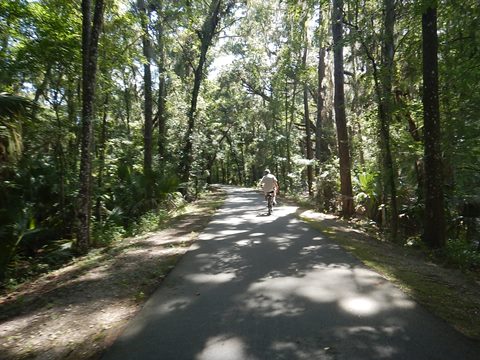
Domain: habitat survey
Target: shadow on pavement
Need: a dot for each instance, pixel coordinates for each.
(258, 287)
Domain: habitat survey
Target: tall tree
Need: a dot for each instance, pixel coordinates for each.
(339, 104)
(206, 35)
(321, 148)
(162, 89)
(434, 231)
(307, 121)
(386, 104)
(90, 35)
(385, 100)
(148, 101)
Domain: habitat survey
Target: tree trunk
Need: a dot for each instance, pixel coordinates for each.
(128, 105)
(308, 129)
(90, 36)
(339, 104)
(101, 158)
(434, 235)
(206, 36)
(385, 112)
(320, 148)
(161, 88)
(148, 103)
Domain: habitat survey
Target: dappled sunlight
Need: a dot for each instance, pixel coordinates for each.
(284, 210)
(247, 242)
(257, 234)
(178, 303)
(51, 327)
(271, 288)
(239, 200)
(311, 214)
(298, 350)
(282, 242)
(194, 246)
(210, 278)
(232, 232)
(273, 299)
(403, 303)
(359, 306)
(232, 221)
(221, 263)
(362, 292)
(224, 347)
(310, 249)
(362, 339)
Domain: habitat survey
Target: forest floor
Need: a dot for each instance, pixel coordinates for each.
(77, 311)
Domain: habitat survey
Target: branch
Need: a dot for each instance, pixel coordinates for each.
(228, 25)
(255, 91)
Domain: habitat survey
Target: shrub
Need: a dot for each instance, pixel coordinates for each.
(462, 254)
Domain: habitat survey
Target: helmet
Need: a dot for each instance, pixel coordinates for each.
(266, 172)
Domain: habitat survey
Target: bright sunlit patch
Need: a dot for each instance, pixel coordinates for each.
(194, 247)
(282, 242)
(178, 303)
(257, 234)
(359, 306)
(223, 347)
(310, 249)
(404, 303)
(238, 200)
(231, 221)
(210, 278)
(243, 242)
(231, 232)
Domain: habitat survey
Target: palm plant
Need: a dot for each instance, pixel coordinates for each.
(12, 110)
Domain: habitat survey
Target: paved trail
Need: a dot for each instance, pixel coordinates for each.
(256, 287)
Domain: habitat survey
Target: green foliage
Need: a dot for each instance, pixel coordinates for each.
(150, 221)
(13, 111)
(108, 230)
(367, 193)
(250, 111)
(327, 187)
(462, 254)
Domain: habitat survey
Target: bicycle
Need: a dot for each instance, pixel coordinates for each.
(270, 202)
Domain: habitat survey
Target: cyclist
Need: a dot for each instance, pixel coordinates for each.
(269, 183)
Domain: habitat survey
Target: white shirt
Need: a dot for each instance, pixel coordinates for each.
(268, 182)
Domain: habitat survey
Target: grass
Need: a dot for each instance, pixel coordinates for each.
(448, 293)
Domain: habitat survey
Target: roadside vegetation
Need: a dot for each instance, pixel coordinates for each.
(78, 309)
(450, 288)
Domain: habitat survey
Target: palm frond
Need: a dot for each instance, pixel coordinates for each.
(14, 106)
(13, 109)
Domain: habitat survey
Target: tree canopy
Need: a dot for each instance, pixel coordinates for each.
(332, 97)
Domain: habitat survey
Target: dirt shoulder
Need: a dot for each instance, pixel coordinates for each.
(449, 293)
(77, 311)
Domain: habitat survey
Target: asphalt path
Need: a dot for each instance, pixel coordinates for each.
(257, 287)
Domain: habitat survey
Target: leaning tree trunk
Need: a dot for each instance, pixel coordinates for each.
(90, 36)
(148, 103)
(340, 117)
(206, 36)
(434, 233)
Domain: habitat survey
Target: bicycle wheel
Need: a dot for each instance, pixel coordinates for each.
(269, 204)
